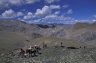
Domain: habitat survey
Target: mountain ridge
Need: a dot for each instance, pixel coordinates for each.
(83, 33)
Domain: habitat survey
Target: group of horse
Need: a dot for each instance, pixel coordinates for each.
(33, 51)
(30, 52)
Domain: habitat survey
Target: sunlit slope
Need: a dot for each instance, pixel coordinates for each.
(11, 40)
(53, 41)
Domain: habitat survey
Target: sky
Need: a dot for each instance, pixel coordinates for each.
(49, 11)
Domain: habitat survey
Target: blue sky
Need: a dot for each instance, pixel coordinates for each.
(49, 11)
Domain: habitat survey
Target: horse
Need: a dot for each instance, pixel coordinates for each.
(22, 52)
(31, 52)
(37, 48)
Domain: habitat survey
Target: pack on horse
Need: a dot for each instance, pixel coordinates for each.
(31, 51)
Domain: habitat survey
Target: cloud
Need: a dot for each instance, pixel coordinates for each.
(65, 6)
(31, 1)
(70, 11)
(9, 14)
(55, 6)
(15, 2)
(94, 20)
(46, 10)
(47, 14)
(50, 16)
(85, 21)
(19, 14)
(58, 19)
(7, 3)
(51, 1)
(57, 13)
(28, 16)
(41, 13)
(3, 3)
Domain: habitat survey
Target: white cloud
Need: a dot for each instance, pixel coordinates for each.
(7, 3)
(28, 16)
(65, 6)
(57, 13)
(51, 1)
(9, 14)
(50, 16)
(36, 21)
(55, 6)
(83, 21)
(58, 19)
(94, 20)
(47, 15)
(16, 2)
(43, 12)
(46, 10)
(19, 14)
(3, 3)
(31, 1)
(70, 11)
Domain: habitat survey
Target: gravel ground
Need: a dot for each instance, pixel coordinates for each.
(53, 55)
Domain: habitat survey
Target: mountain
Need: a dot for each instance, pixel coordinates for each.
(84, 32)
(79, 34)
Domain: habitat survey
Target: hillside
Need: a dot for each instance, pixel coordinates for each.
(77, 34)
(55, 55)
(11, 40)
(18, 34)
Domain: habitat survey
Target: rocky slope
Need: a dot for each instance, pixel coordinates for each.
(80, 32)
(54, 55)
(17, 34)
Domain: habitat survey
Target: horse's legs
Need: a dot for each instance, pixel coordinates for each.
(35, 53)
(30, 54)
(20, 54)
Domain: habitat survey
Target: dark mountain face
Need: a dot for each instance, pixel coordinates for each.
(41, 29)
(87, 36)
(36, 35)
(83, 32)
(46, 26)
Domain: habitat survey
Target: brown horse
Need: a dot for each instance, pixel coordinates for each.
(37, 48)
(33, 51)
(22, 52)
